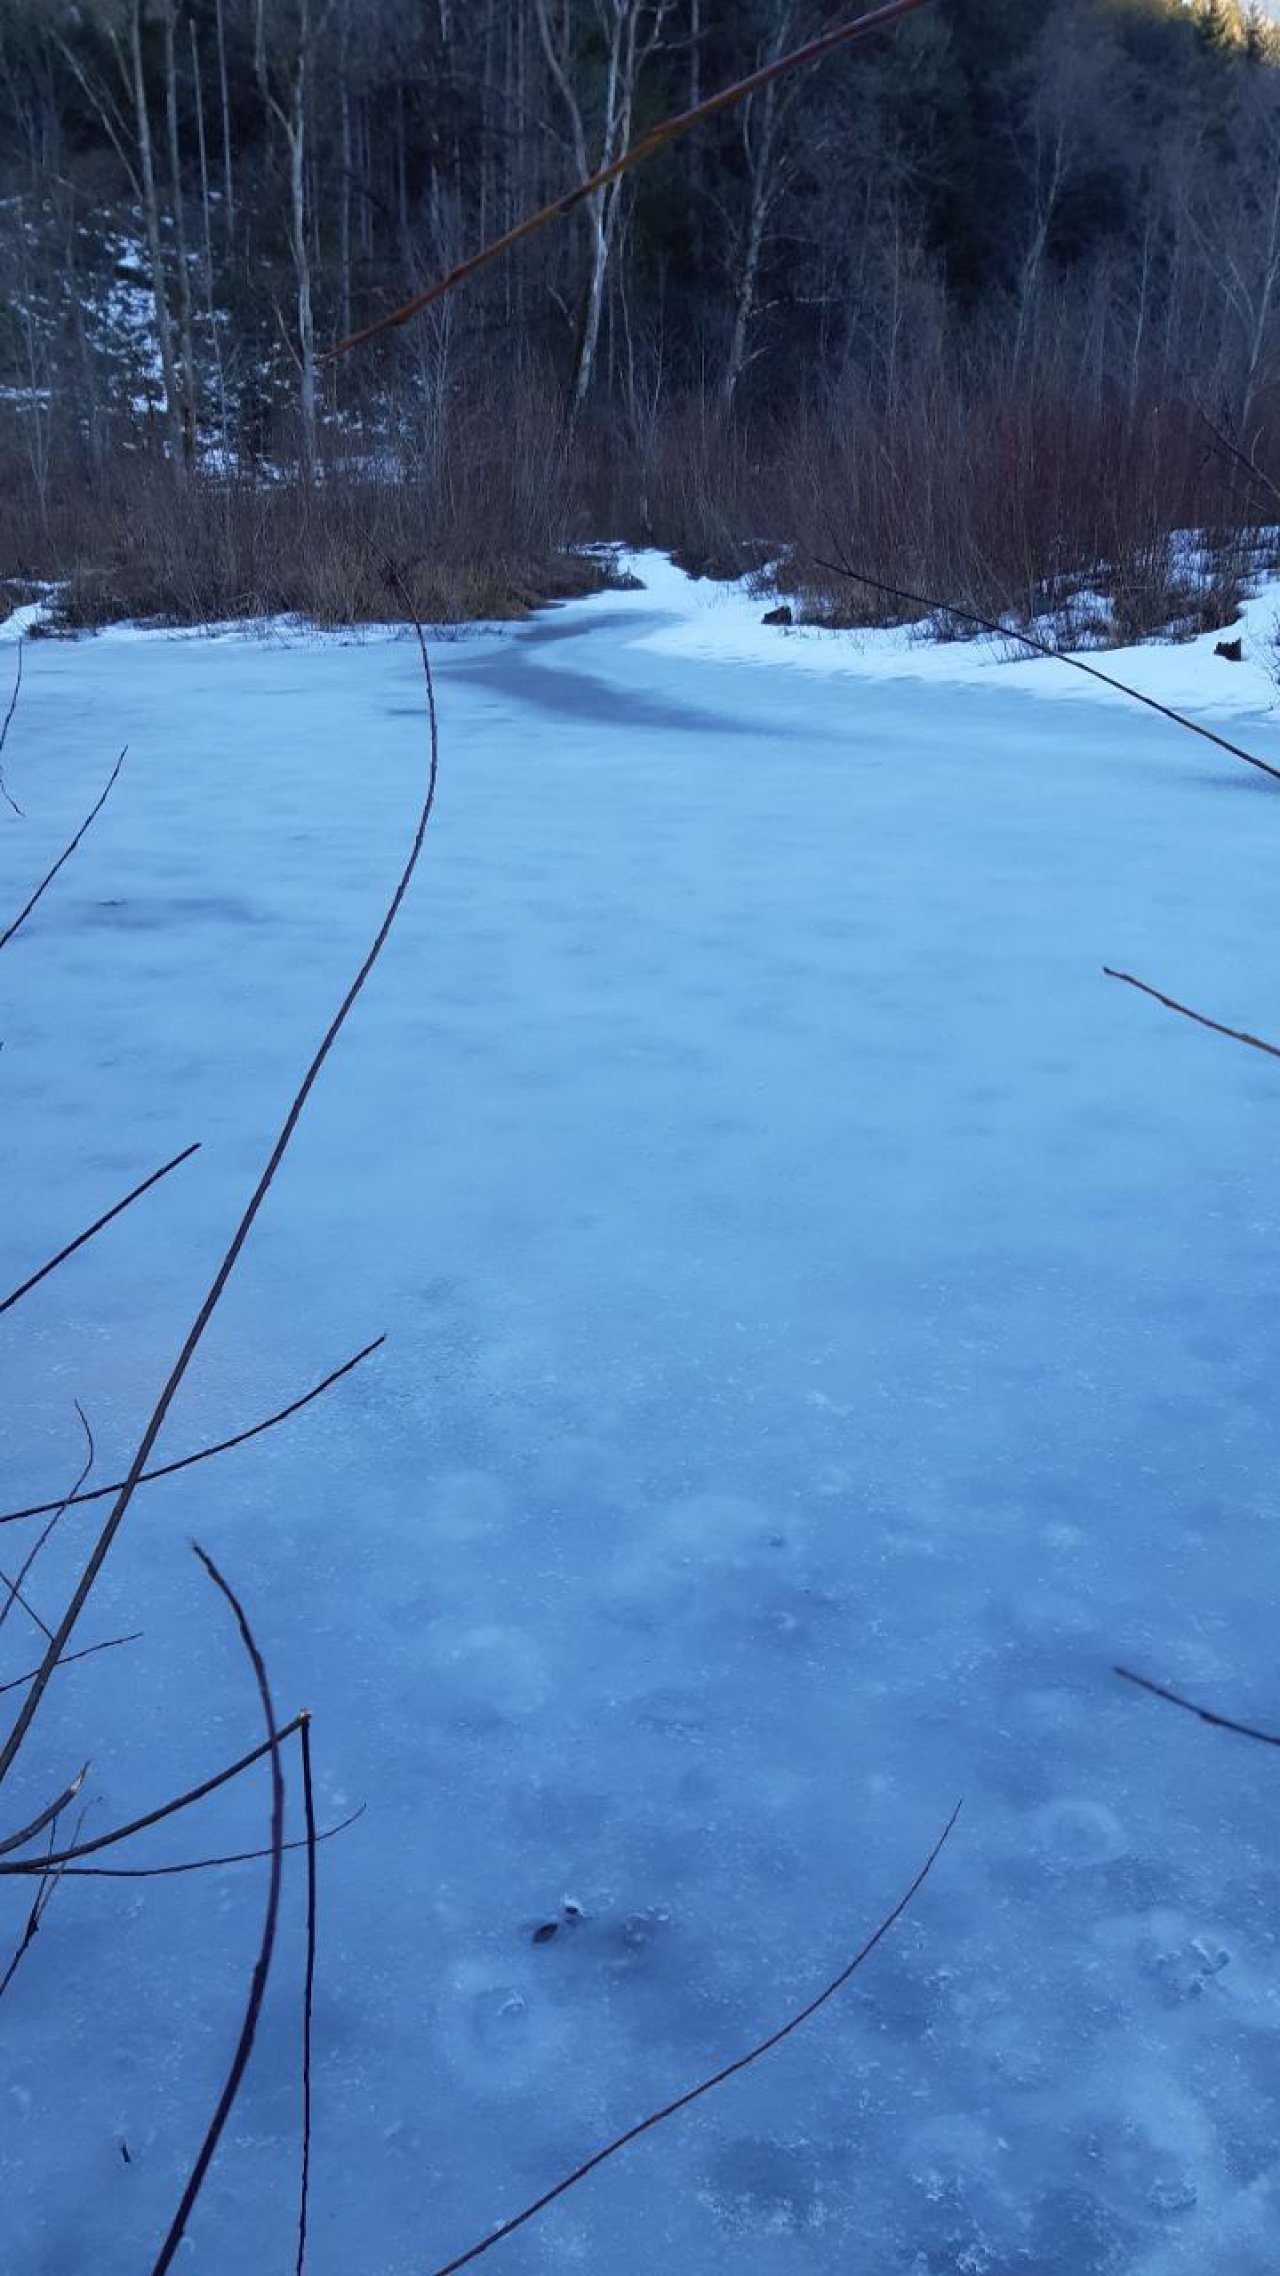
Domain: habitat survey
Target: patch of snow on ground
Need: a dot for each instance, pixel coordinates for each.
(722, 624)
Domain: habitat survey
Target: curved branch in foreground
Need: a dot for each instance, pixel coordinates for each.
(4, 731)
(33, 1279)
(1056, 655)
(308, 1992)
(262, 1965)
(659, 137)
(65, 856)
(195, 1334)
(1236, 1034)
(730, 2070)
(206, 1453)
(1205, 1714)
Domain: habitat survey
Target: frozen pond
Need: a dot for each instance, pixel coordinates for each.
(828, 1326)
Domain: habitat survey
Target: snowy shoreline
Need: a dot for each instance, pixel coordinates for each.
(721, 623)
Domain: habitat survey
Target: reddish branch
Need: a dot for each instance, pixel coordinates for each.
(659, 138)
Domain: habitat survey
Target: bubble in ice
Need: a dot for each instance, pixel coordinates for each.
(488, 1669)
(1074, 1831)
(765, 2187)
(498, 2030)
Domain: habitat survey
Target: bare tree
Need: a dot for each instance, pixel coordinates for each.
(629, 31)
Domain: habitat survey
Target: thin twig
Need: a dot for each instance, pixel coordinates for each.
(730, 2070)
(15, 1596)
(15, 1587)
(308, 1994)
(65, 856)
(1236, 1034)
(109, 1644)
(658, 138)
(1206, 1714)
(1241, 456)
(167, 1809)
(201, 1864)
(1056, 655)
(262, 1965)
(38, 1824)
(33, 1280)
(4, 732)
(195, 1333)
(206, 1453)
(39, 1906)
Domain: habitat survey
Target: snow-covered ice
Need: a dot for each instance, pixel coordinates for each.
(829, 1326)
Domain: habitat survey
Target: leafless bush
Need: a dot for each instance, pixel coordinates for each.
(481, 517)
(1000, 493)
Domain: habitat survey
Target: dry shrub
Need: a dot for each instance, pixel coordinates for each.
(482, 520)
(1012, 497)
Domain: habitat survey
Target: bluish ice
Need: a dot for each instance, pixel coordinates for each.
(829, 1326)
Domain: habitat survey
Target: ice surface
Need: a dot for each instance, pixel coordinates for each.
(829, 1326)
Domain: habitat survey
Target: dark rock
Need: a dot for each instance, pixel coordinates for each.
(1231, 650)
(781, 615)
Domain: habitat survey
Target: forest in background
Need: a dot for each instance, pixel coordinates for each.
(956, 303)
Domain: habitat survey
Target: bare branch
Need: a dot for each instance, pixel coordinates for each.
(39, 1906)
(658, 138)
(308, 1993)
(206, 1453)
(4, 731)
(694, 2094)
(37, 1825)
(1044, 648)
(167, 1809)
(1206, 1714)
(110, 1644)
(33, 1280)
(1236, 1034)
(1242, 458)
(262, 1965)
(15, 1595)
(201, 1864)
(195, 1333)
(65, 856)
